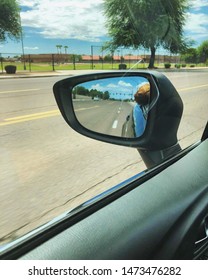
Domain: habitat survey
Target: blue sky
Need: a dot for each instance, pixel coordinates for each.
(79, 24)
(119, 88)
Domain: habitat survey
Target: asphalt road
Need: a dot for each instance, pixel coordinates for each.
(104, 116)
(47, 168)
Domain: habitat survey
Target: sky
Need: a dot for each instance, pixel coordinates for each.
(119, 88)
(80, 24)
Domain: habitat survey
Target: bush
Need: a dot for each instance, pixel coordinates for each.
(10, 69)
(192, 65)
(167, 65)
(177, 66)
(183, 65)
(122, 66)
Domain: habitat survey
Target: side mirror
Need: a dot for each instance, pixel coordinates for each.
(135, 109)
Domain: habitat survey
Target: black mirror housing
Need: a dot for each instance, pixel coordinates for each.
(163, 120)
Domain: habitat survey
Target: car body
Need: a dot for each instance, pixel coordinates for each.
(96, 98)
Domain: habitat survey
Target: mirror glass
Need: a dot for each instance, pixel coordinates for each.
(113, 106)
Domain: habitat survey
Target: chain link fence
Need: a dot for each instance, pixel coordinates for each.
(96, 60)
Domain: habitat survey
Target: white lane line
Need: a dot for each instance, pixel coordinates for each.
(115, 124)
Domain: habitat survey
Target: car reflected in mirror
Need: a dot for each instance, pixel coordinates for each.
(123, 106)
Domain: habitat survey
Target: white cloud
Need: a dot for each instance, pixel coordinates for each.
(116, 87)
(31, 48)
(26, 3)
(198, 4)
(197, 25)
(124, 84)
(85, 20)
(76, 19)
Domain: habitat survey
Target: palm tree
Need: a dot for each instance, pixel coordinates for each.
(66, 47)
(59, 48)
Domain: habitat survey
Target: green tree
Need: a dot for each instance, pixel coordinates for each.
(66, 47)
(146, 23)
(59, 48)
(189, 56)
(202, 51)
(94, 93)
(10, 25)
(78, 57)
(106, 95)
(82, 91)
(108, 58)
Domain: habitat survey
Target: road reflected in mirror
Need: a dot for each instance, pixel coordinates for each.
(113, 106)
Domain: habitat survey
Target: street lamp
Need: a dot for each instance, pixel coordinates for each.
(21, 37)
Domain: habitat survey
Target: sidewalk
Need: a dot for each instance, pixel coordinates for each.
(27, 74)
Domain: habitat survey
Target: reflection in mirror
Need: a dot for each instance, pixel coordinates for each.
(113, 106)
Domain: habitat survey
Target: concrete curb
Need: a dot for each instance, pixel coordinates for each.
(82, 72)
(47, 74)
(29, 75)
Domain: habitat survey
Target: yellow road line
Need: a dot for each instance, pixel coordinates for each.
(36, 116)
(83, 109)
(190, 88)
(20, 90)
(52, 113)
(29, 118)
